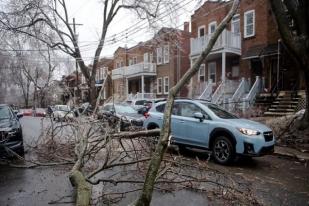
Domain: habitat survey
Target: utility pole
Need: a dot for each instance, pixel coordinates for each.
(76, 61)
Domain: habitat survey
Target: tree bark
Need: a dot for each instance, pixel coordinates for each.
(154, 165)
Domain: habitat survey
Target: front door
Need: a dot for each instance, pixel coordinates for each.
(256, 69)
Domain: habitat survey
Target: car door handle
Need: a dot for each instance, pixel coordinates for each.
(160, 118)
(181, 121)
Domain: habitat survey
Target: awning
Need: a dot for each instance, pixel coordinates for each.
(261, 51)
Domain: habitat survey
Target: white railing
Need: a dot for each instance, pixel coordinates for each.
(218, 93)
(135, 70)
(226, 40)
(118, 73)
(140, 68)
(240, 91)
(207, 91)
(255, 89)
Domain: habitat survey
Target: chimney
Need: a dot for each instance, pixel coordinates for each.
(186, 26)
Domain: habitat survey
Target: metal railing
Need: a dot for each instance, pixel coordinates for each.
(255, 89)
(240, 91)
(218, 93)
(207, 91)
(135, 70)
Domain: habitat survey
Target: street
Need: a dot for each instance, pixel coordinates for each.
(274, 180)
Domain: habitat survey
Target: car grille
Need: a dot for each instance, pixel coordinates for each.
(3, 136)
(268, 136)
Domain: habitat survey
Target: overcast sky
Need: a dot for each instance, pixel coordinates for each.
(89, 13)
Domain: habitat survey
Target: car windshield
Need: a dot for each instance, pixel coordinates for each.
(5, 113)
(220, 112)
(124, 109)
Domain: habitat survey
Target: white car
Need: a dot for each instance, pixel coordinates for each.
(62, 112)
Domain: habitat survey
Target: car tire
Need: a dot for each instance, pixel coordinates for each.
(223, 150)
(21, 151)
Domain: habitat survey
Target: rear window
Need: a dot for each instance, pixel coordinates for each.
(221, 112)
(160, 108)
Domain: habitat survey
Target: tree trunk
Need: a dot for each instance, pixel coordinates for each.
(92, 92)
(154, 165)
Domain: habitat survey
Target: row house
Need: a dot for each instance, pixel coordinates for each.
(248, 57)
(149, 69)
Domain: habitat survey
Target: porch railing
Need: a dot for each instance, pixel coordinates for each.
(218, 93)
(135, 70)
(240, 91)
(207, 91)
(255, 89)
(227, 39)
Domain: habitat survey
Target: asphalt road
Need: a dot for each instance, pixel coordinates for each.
(274, 180)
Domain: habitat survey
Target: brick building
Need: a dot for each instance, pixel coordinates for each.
(247, 58)
(149, 69)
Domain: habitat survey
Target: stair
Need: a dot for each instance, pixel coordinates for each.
(285, 104)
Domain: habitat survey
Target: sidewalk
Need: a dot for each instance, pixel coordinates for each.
(290, 152)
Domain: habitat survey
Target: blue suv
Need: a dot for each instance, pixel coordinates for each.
(203, 125)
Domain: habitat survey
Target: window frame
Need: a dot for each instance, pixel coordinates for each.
(146, 57)
(234, 21)
(209, 27)
(164, 85)
(246, 24)
(159, 80)
(166, 54)
(159, 55)
(199, 29)
(199, 73)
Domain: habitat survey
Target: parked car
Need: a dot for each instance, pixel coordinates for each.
(124, 112)
(11, 135)
(62, 113)
(200, 124)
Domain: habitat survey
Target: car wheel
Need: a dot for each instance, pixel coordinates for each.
(223, 150)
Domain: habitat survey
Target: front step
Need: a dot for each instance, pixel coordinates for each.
(278, 113)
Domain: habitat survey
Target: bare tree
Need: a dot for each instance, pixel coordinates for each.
(156, 159)
(54, 15)
(292, 19)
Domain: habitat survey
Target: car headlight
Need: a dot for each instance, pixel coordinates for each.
(249, 132)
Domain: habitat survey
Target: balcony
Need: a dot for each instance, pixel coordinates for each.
(227, 41)
(147, 69)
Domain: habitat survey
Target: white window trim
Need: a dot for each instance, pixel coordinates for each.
(168, 85)
(233, 21)
(134, 60)
(245, 24)
(159, 85)
(146, 57)
(166, 57)
(199, 73)
(198, 30)
(211, 24)
(159, 54)
(208, 71)
(151, 57)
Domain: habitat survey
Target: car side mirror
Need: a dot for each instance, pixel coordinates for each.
(199, 115)
(19, 115)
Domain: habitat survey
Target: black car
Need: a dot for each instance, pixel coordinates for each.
(11, 136)
(125, 113)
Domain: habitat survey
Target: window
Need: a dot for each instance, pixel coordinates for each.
(186, 109)
(83, 79)
(117, 64)
(151, 57)
(159, 85)
(235, 24)
(201, 31)
(249, 24)
(160, 108)
(146, 60)
(121, 64)
(212, 27)
(134, 60)
(130, 62)
(166, 85)
(235, 71)
(201, 73)
(212, 67)
(166, 54)
(159, 55)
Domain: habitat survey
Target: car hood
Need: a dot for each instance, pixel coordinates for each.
(248, 124)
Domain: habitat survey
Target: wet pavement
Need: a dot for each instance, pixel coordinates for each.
(274, 180)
